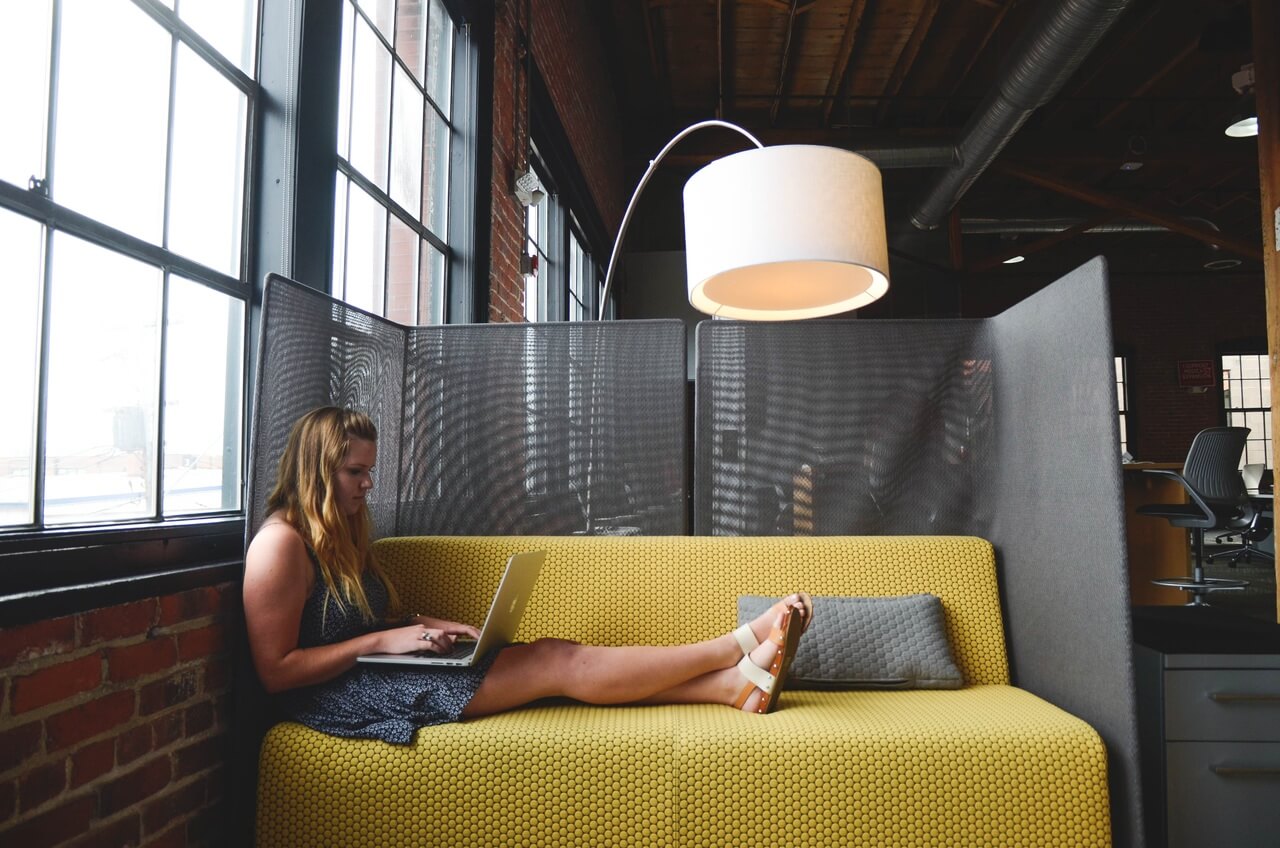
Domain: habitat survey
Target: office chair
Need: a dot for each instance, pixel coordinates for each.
(1211, 477)
(1252, 527)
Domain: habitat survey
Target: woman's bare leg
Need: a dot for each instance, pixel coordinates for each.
(701, 672)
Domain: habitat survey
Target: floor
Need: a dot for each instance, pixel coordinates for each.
(1258, 599)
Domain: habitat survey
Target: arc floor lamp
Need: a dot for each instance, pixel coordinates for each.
(777, 233)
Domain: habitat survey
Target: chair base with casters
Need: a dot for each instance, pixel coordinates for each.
(1217, 500)
(1250, 535)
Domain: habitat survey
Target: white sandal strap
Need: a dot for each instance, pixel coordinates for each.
(762, 679)
(746, 639)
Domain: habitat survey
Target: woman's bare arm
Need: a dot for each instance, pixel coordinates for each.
(277, 581)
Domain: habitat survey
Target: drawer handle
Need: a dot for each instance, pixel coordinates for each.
(1244, 771)
(1226, 697)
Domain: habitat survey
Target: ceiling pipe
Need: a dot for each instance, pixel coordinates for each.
(1043, 59)
(1013, 226)
(923, 156)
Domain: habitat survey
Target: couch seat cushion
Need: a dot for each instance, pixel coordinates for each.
(981, 766)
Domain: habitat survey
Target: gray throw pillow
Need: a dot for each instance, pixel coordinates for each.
(869, 643)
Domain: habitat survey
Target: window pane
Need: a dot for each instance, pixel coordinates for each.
(371, 105)
(431, 287)
(231, 26)
(340, 235)
(366, 252)
(1249, 366)
(344, 83)
(381, 13)
(1266, 392)
(24, 55)
(411, 41)
(103, 384)
(440, 57)
(19, 350)
(1253, 420)
(402, 272)
(114, 74)
(406, 144)
(435, 185)
(207, 183)
(1252, 395)
(203, 369)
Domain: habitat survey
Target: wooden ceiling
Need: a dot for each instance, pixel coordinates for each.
(1154, 90)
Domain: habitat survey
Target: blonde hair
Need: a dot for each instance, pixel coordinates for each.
(304, 495)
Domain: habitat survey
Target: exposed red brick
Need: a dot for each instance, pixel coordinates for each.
(55, 826)
(117, 622)
(200, 756)
(167, 729)
(18, 744)
(129, 789)
(166, 693)
(56, 683)
(202, 642)
(198, 718)
(41, 784)
(133, 743)
(185, 606)
(8, 799)
(159, 813)
(133, 661)
(88, 720)
(124, 832)
(217, 674)
(41, 639)
(174, 837)
(92, 761)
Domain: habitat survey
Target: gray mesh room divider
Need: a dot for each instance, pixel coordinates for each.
(1004, 428)
(488, 429)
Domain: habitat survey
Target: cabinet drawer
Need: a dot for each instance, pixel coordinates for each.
(1223, 794)
(1240, 705)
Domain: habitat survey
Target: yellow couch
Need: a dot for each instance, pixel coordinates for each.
(986, 765)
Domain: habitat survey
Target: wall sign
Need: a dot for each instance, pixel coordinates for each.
(1196, 373)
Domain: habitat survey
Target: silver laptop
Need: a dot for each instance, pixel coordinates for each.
(500, 624)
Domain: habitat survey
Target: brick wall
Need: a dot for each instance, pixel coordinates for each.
(1166, 321)
(569, 56)
(113, 723)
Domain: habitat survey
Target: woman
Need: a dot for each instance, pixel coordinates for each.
(315, 599)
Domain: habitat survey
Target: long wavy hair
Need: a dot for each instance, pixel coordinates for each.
(304, 495)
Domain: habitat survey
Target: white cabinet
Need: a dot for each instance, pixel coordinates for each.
(1211, 748)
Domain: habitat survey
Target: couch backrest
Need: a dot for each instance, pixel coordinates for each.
(664, 590)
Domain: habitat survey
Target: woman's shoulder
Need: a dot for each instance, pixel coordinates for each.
(277, 541)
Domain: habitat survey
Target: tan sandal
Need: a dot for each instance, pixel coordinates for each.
(787, 637)
(746, 637)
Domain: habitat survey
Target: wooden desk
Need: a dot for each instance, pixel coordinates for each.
(1156, 548)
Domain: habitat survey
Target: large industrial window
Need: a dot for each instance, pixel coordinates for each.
(124, 173)
(1122, 402)
(1246, 397)
(391, 228)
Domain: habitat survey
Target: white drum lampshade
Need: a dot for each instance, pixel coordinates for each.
(785, 232)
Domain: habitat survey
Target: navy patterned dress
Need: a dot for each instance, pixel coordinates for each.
(374, 701)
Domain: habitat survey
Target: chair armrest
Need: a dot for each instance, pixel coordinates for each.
(1195, 497)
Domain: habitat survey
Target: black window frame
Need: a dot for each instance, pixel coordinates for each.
(288, 229)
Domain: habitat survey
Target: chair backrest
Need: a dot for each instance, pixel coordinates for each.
(1212, 467)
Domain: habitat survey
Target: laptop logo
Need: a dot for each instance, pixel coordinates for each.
(514, 602)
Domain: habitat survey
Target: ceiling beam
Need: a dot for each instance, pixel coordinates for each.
(1040, 244)
(996, 20)
(835, 84)
(1150, 83)
(906, 58)
(1119, 205)
(784, 72)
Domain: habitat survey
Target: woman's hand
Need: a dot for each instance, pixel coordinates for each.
(428, 634)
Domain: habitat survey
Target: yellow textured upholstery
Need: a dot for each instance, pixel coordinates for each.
(986, 765)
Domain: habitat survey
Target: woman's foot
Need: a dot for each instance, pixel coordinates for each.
(751, 635)
(754, 684)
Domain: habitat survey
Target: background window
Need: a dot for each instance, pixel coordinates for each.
(1246, 397)
(394, 135)
(1122, 402)
(123, 193)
